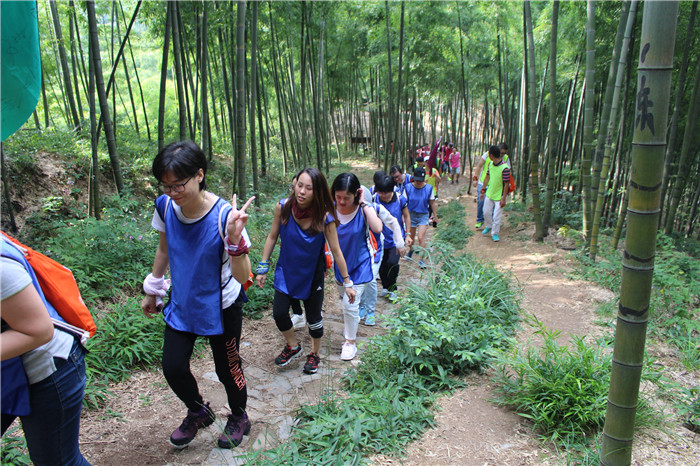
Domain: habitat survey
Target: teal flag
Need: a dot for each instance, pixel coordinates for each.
(20, 64)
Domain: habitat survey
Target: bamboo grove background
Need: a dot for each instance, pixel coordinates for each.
(281, 85)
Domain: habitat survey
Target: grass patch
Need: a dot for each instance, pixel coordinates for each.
(561, 390)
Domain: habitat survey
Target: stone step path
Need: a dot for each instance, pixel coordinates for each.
(274, 395)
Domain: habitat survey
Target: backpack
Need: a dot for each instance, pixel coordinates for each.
(371, 240)
(511, 183)
(329, 256)
(59, 287)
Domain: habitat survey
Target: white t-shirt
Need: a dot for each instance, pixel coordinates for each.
(38, 363)
(232, 288)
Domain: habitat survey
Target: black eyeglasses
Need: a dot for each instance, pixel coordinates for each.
(176, 188)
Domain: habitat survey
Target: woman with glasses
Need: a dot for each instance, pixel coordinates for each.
(204, 243)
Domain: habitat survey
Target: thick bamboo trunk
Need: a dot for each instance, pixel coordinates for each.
(649, 144)
(605, 164)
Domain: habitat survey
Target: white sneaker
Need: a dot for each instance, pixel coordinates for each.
(349, 351)
(384, 293)
(298, 321)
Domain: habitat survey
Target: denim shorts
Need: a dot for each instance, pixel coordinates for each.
(418, 218)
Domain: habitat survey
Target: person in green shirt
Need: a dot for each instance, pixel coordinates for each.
(497, 178)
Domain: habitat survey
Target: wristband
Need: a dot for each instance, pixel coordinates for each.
(236, 250)
(263, 268)
(363, 205)
(349, 284)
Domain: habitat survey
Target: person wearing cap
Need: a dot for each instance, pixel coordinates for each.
(420, 196)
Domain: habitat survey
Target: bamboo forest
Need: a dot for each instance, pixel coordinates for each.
(522, 285)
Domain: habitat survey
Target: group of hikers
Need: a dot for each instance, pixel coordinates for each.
(359, 232)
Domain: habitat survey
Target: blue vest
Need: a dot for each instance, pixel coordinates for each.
(15, 388)
(395, 208)
(352, 237)
(418, 198)
(195, 255)
(299, 253)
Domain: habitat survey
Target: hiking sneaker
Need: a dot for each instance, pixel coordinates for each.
(393, 296)
(194, 421)
(422, 264)
(236, 428)
(370, 321)
(312, 362)
(495, 238)
(479, 224)
(287, 354)
(486, 231)
(349, 351)
(409, 255)
(383, 293)
(298, 321)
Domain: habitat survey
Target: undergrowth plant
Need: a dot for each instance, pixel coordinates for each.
(125, 340)
(561, 389)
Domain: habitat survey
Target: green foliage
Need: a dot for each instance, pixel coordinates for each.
(466, 312)
(561, 390)
(108, 257)
(451, 230)
(566, 210)
(125, 339)
(13, 450)
(689, 408)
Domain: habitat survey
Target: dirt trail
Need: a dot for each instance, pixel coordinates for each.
(470, 430)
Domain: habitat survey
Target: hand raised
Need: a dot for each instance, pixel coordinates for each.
(237, 220)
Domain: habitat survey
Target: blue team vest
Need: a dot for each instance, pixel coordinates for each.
(299, 254)
(195, 254)
(395, 208)
(352, 237)
(418, 198)
(15, 388)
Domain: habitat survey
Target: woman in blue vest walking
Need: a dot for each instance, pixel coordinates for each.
(356, 218)
(304, 222)
(204, 243)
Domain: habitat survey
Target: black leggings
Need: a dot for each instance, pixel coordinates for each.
(389, 268)
(312, 306)
(177, 351)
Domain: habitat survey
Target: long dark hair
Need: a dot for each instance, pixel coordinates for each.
(346, 182)
(183, 159)
(321, 202)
